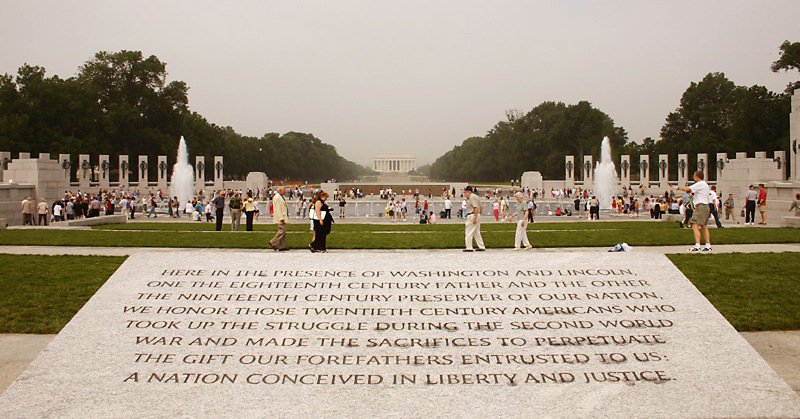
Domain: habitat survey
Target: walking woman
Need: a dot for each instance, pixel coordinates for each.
(249, 211)
(322, 224)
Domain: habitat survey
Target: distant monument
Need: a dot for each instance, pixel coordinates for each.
(394, 163)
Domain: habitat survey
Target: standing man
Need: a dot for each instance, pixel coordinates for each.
(729, 205)
(750, 207)
(219, 205)
(473, 224)
(280, 214)
(702, 196)
(235, 204)
(521, 236)
(448, 206)
(762, 203)
(714, 206)
(27, 211)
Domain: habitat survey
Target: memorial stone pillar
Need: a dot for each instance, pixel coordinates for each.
(5, 159)
(588, 172)
(219, 167)
(143, 175)
(44, 156)
(124, 181)
(104, 172)
(199, 172)
(84, 171)
(683, 169)
(761, 154)
(780, 160)
(741, 155)
(644, 168)
(66, 167)
(162, 171)
(663, 171)
(24, 155)
(569, 171)
(722, 159)
(625, 170)
(702, 165)
(794, 137)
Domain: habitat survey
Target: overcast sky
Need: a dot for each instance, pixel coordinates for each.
(419, 77)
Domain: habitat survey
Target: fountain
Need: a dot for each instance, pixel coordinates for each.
(605, 176)
(182, 184)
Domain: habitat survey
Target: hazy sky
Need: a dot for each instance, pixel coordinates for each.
(417, 77)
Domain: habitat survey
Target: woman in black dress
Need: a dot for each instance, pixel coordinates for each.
(322, 224)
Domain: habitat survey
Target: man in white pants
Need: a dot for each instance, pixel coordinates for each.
(522, 211)
(473, 224)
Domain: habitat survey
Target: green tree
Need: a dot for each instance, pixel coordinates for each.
(789, 60)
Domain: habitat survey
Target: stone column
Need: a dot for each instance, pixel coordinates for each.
(219, 173)
(722, 159)
(794, 137)
(124, 181)
(66, 166)
(683, 169)
(104, 171)
(162, 171)
(780, 160)
(741, 155)
(199, 173)
(24, 155)
(761, 154)
(625, 170)
(702, 164)
(663, 171)
(143, 175)
(569, 171)
(588, 172)
(5, 159)
(44, 156)
(644, 169)
(84, 171)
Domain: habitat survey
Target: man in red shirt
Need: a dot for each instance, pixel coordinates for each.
(762, 203)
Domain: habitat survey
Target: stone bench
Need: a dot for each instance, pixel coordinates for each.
(96, 221)
(790, 221)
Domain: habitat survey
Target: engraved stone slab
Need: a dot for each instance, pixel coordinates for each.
(403, 335)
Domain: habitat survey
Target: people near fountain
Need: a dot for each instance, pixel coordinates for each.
(322, 223)
(423, 217)
(594, 208)
(687, 204)
(531, 209)
(123, 206)
(496, 209)
(714, 206)
(109, 206)
(208, 210)
(189, 208)
(197, 214)
(472, 228)
(153, 206)
(58, 211)
(235, 206)
(219, 207)
(750, 206)
(343, 205)
(701, 197)
(762, 203)
(28, 211)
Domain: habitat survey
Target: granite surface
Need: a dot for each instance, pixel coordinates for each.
(523, 334)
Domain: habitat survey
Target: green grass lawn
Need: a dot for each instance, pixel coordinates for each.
(757, 291)
(391, 236)
(40, 294)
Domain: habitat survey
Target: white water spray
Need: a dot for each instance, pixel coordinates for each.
(182, 184)
(605, 176)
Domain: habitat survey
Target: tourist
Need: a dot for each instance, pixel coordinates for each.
(762, 203)
(219, 207)
(403, 208)
(304, 208)
(70, 209)
(322, 224)
(423, 218)
(94, 207)
(208, 210)
(472, 228)
(280, 216)
(464, 208)
(577, 203)
(235, 205)
(123, 204)
(521, 236)
(342, 205)
(188, 209)
(58, 211)
(729, 206)
(713, 206)
(795, 205)
(594, 208)
(496, 209)
(750, 206)
(27, 211)
(688, 210)
(175, 207)
(702, 195)
(153, 206)
(42, 210)
(249, 211)
(448, 206)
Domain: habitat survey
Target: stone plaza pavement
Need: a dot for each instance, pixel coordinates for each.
(780, 349)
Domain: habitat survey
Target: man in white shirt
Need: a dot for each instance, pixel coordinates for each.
(702, 199)
(472, 228)
(447, 207)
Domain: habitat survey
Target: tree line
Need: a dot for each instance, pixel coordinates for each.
(121, 103)
(714, 115)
